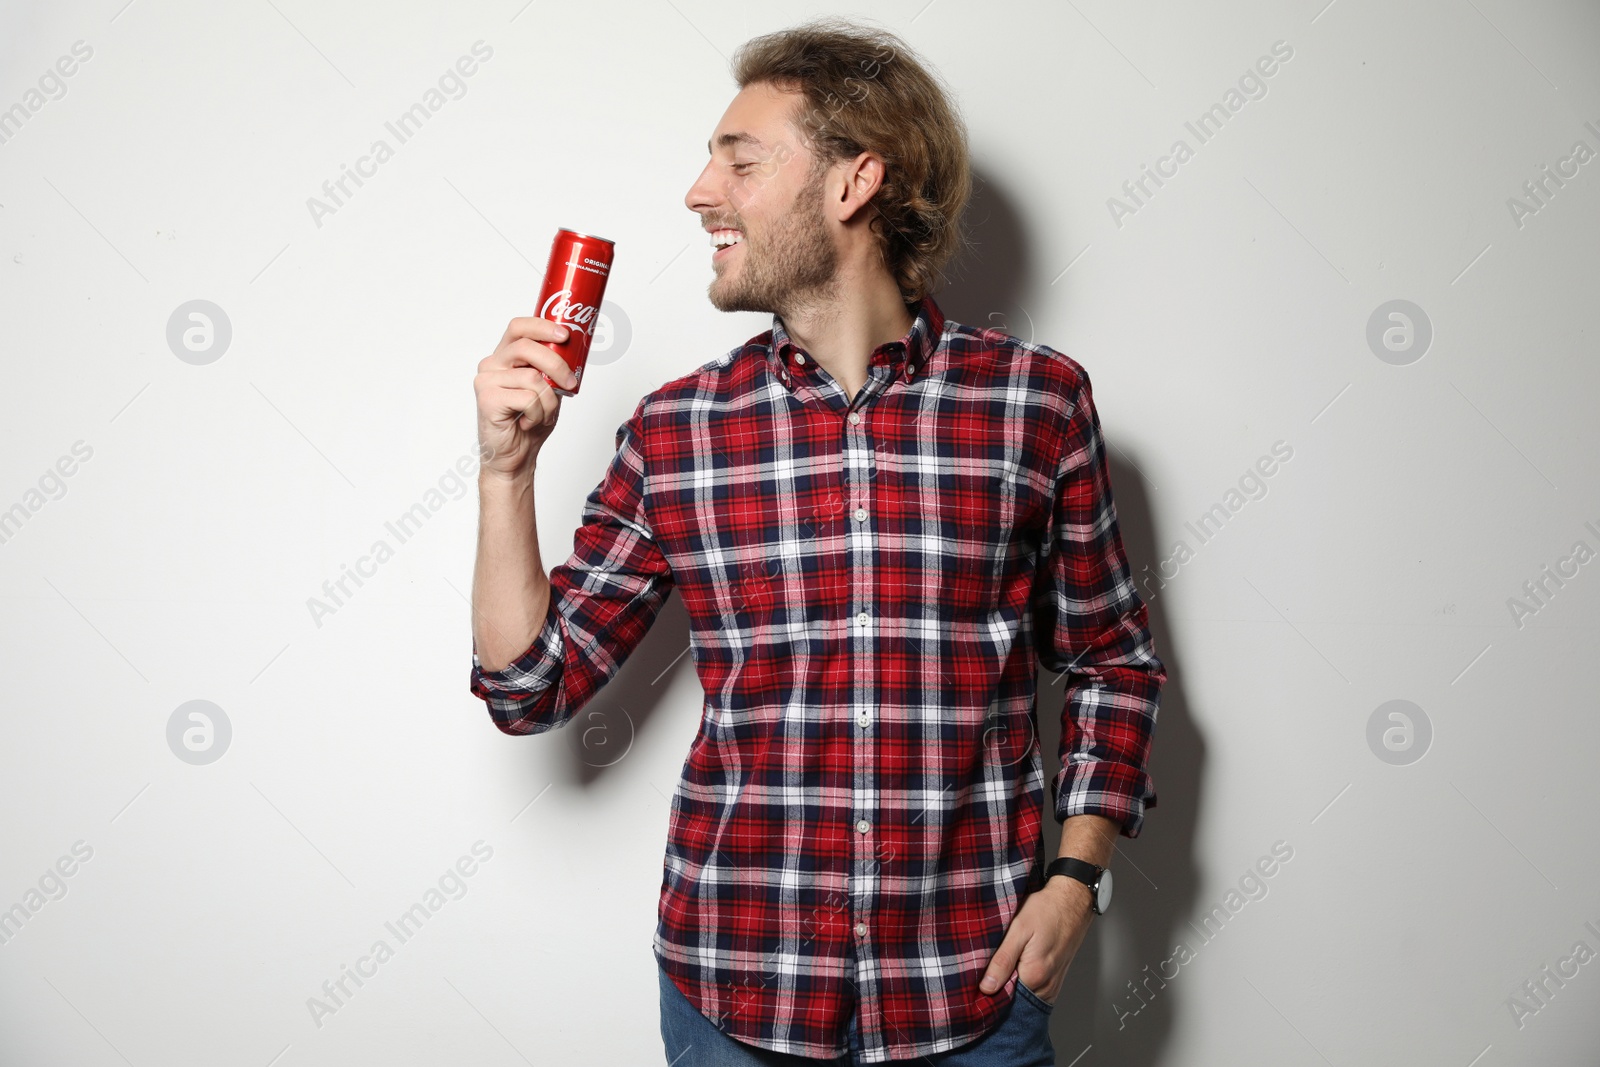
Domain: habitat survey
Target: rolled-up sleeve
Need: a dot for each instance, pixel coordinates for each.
(1090, 624)
(603, 600)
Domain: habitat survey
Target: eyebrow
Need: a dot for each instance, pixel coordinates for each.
(736, 138)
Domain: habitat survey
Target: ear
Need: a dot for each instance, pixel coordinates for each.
(855, 183)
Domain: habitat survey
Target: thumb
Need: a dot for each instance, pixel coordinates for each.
(1003, 962)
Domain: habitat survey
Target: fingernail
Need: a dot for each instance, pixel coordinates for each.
(565, 333)
(989, 985)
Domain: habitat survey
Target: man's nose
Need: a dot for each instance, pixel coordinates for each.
(702, 195)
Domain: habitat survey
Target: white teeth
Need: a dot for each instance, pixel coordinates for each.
(724, 238)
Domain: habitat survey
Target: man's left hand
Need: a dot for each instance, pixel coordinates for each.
(1042, 939)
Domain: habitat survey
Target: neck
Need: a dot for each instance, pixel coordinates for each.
(862, 310)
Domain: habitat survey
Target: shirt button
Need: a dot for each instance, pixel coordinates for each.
(863, 826)
(861, 929)
(864, 720)
(855, 417)
(863, 618)
(798, 358)
(861, 514)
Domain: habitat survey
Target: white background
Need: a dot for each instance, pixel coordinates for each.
(1229, 312)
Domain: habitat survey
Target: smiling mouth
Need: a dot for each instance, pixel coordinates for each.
(723, 239)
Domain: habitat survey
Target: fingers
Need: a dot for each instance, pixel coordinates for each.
(519, 395)
(523, 352)
(548, 404)
(519, 377)
(1004, 960)
(534, 329)
(533, 407)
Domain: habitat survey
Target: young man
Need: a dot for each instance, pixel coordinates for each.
(879, 521)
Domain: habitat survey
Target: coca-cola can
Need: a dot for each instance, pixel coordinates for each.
(574, 286)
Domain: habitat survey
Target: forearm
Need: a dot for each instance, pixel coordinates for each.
(1084, 837)
(510, 589)
(1089, 837)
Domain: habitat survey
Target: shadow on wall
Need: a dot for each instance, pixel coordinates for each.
(991, 274)
(604, 731)
(1156, 876)
(1157, 881)
(1125, 1005)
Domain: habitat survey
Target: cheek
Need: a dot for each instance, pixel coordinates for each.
(758, 206)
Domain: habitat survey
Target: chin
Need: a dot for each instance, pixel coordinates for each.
(737, 302)
(726, 297)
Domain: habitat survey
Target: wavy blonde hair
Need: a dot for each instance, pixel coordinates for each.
(865, 90)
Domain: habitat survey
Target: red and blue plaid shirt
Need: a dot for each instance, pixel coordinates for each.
(871, 584)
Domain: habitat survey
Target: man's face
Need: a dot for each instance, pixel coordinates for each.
(763, 190)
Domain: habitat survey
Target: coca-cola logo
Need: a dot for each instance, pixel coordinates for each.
(560, 308)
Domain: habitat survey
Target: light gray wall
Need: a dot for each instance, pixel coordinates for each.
(1229, 311)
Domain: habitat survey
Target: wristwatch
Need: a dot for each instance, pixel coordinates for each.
(1098, 879)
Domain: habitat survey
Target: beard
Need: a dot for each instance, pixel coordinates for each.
(789, 266)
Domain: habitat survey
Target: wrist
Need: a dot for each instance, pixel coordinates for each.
(519, 479)
(1093, 880)
(1071, 892)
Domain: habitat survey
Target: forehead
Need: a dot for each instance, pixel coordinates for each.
(760, 117)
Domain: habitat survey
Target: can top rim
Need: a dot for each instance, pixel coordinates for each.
(589, 236)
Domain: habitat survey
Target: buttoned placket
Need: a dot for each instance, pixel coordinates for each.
(865, 868)
(797, 371)
(862, 878)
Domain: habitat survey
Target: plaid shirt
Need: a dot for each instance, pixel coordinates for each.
(868, 582)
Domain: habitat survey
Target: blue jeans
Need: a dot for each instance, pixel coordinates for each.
(1020, 1039)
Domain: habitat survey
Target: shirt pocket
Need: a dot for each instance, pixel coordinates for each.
(974, 506)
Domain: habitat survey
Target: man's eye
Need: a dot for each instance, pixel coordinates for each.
(742, 166)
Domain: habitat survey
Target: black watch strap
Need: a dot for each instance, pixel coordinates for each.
(1083, 871)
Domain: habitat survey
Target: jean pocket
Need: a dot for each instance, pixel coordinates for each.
(1031, 997)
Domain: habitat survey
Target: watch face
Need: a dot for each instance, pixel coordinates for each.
(1103, 897)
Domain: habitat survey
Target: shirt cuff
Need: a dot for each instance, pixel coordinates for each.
(532, 672)
(1101, 787)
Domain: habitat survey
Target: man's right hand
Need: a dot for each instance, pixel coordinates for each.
(517, 407)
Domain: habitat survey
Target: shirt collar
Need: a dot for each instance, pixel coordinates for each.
(910, 354)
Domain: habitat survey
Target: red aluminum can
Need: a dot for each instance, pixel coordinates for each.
(574, 286)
